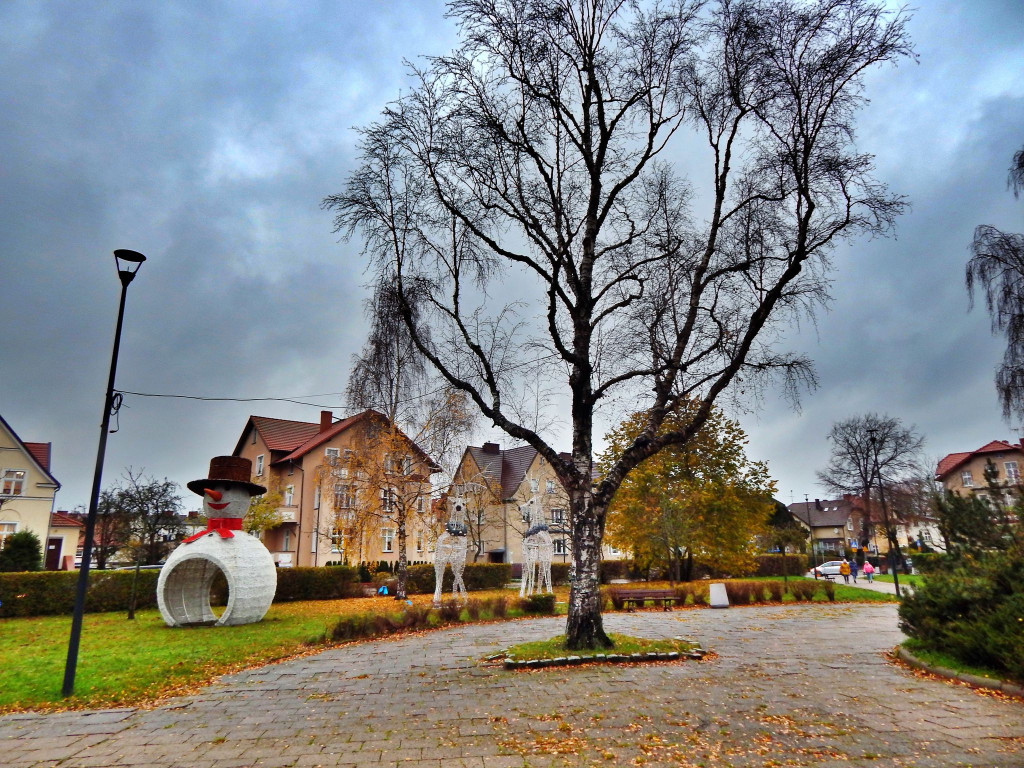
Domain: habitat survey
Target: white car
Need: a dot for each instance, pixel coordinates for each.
(831, 568)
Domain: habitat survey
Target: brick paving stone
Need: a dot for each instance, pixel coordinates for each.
(790, 683)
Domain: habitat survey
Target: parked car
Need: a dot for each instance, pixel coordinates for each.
(831, 568)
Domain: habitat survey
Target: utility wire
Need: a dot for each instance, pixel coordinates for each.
(295, 399)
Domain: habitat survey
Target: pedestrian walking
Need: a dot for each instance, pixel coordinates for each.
(844, 570)
(869, 571)
(853, 570)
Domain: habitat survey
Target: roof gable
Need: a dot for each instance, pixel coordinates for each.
(37, 453)
(278, 434)
(951, 461)
(833, 513)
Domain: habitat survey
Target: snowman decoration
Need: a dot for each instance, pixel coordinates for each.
(183, 590)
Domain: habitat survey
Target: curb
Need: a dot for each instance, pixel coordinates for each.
(600, 658)
(988, 683)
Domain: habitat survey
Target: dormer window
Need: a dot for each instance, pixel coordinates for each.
(966, 479)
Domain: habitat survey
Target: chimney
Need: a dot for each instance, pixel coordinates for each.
(491, 448)
(817, 504)
(326, 419)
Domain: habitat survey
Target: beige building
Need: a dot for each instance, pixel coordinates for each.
(342, 486)
(27, 492)
(495, 483)
(964, 473)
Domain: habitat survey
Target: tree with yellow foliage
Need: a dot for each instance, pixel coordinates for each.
(702, 501)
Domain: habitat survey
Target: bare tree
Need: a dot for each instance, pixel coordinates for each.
(532, 160)
(997, 267)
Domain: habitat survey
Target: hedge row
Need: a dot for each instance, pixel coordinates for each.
(419, 579)
(47, 593)
(771, 565)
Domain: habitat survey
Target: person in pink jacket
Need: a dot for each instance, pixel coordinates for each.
(869, 571)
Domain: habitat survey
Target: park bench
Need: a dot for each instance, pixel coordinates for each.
(636, 598)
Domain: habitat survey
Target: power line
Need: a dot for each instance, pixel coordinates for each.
(295, 398)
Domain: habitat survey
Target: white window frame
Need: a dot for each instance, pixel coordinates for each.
(253, 441)
(5, 533)
(388, 500)
(316, 497)
(558, 516)
(331, 455)
(549, 486)
(559, 547)
(289, 495)
(967, 479)
(1012, 470)
(534, 485)
(419, 541)
(259, 465)
(337, 540)
(345, 496)
(387, 544)
(286, 540)
(17, 483)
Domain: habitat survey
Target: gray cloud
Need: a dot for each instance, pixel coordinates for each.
(205, 135)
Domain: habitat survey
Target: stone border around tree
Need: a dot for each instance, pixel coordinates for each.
(988, 683)
(696, 654)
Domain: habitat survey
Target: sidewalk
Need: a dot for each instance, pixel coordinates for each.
(875, 586)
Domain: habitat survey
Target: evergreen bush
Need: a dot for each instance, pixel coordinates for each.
(538, 604)
(22, 551)
(973, 609)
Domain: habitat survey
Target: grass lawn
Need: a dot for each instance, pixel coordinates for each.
(939, 659)
(125, 662)
(912, 579)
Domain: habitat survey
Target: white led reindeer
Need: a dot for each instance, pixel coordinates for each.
(451, 549)
(538, 549)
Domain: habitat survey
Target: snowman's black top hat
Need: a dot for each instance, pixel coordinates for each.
(231, 470)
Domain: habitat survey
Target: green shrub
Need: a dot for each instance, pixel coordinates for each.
(419, 579)
(21, 551)
(538, 604)
(775, 591)
(744, 592)
(972, 610)
(803, 590)
(364, 573)
(332, 583)
(830, 590)
(771, 565)
(559, 574)
(49, 593)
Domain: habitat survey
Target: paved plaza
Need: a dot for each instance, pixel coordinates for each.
(791, 685)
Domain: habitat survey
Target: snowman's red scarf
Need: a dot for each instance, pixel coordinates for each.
(222, 525)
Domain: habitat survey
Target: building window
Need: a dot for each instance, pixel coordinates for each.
(344, 496)
(337, 540)
(6, 529)
(1012, 473)
(849, 523)
(419, 541)
(253, 441)
(349, 454)
(289, 495)
(331, 455)
(557, 516)
(13, 482)
(388, 539)
(419, 504)
(286, 540)
(559, 547)
(966, 479)
(316, 497)
(387, 500)
(534, 485)
(259, 465)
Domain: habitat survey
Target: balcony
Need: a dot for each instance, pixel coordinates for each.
(288, 514)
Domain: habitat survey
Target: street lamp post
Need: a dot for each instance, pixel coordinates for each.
(128, 263)
(889, 532)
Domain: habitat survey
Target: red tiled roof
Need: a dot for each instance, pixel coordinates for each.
(282, 434)
(948, 463)
(62, 520)
(41, 453)
(319, 438)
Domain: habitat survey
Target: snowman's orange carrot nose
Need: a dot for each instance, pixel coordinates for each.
(215, 495)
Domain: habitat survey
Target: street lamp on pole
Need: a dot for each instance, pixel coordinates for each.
(890, 533)
(128, 263)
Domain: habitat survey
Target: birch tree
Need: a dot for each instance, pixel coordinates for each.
(521, 196)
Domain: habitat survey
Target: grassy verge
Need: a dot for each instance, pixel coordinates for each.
(555, 647)
(123, 662)
(939, 659)
(913, 579)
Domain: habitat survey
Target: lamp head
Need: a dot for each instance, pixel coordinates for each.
(128, 263)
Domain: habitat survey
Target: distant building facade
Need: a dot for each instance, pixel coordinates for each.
(964, 473)
(27, 493)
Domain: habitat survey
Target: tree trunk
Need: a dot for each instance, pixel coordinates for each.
(688, 571)
(584, 627)
(402, 560)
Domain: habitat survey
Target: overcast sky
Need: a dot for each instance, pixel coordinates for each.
(205, 136)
